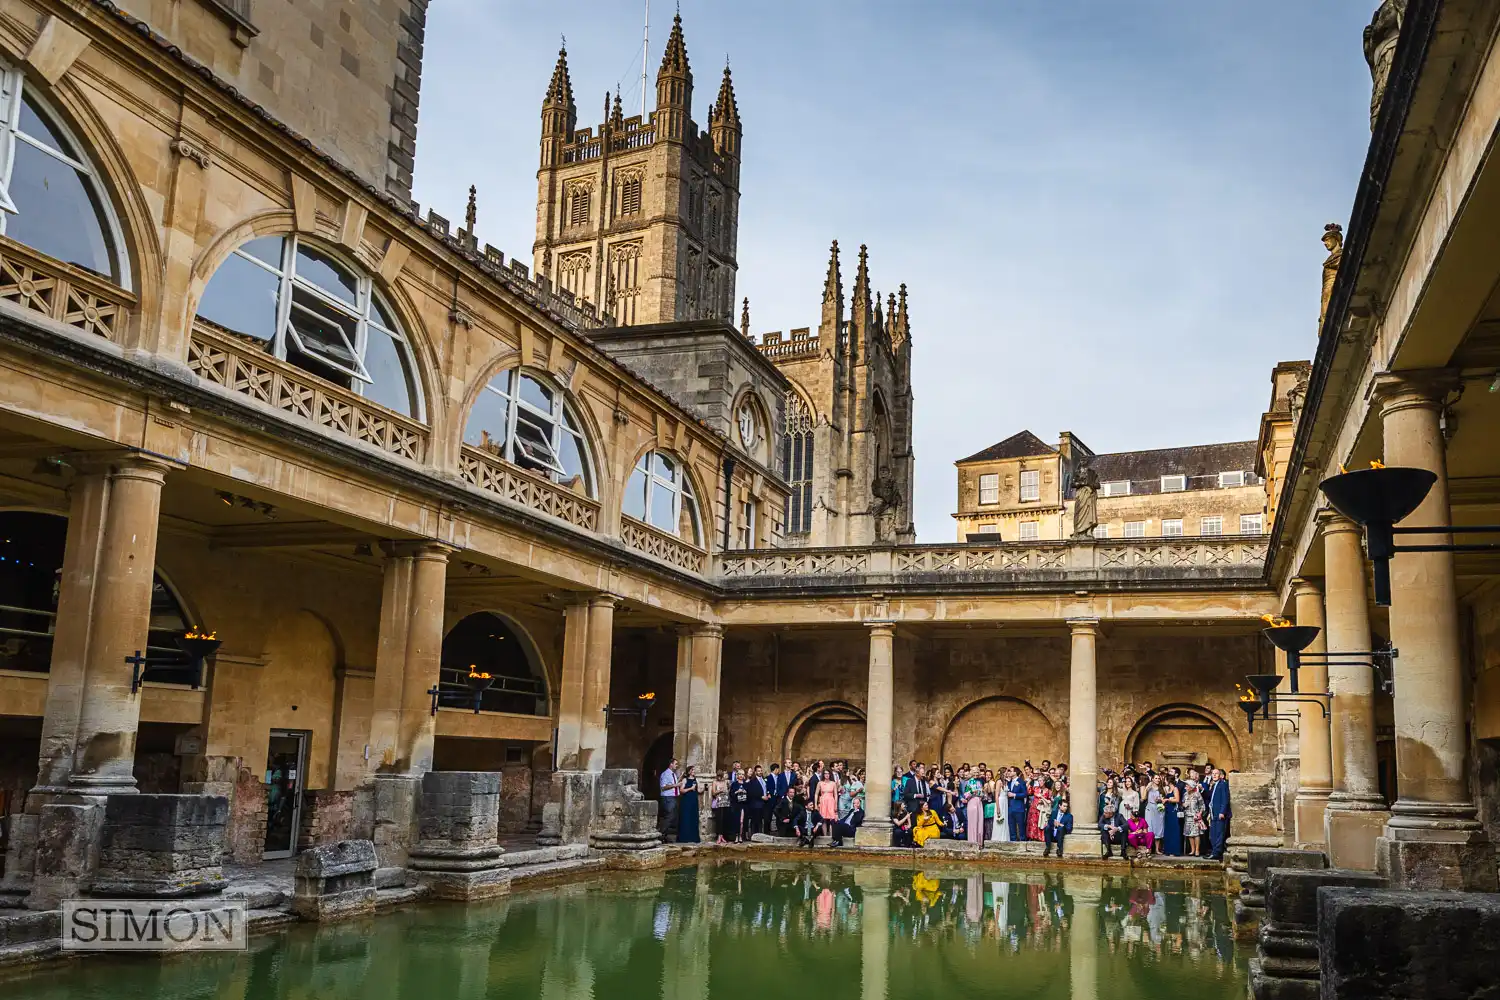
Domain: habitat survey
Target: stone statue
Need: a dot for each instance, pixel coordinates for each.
(886, 500)
(1381, 36)
(1085, 499)
(1333, 239)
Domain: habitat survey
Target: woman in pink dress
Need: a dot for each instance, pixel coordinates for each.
(828, 799)
(1138, 834)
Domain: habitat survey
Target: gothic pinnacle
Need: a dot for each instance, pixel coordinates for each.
(471, 214)
(675, 59)
(833, 285)
(745, 318)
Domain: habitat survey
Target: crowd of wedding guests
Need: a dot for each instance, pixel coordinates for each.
(1169, 811)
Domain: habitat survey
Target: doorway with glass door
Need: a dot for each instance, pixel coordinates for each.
(286, 769)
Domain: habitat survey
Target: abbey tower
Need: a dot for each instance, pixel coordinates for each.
(641, 217)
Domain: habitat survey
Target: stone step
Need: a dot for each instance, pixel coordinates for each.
(387, 899)
(13, 899)
(389, 878)
(543, 855)
(259, 895)
(522, 877)
(29, 936)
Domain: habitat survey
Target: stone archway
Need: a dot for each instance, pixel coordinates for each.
(1183, 735)
(830, 730)
(1001, 731)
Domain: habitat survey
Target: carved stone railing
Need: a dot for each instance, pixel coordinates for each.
(658, 544)
(493, 475)
(243, 368)
(1103, 563)
(62, 292)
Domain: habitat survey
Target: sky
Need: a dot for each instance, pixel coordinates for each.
(1108, 215)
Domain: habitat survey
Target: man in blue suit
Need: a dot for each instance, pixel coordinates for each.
(1220, 813)
(776, 788)
(1015, 807)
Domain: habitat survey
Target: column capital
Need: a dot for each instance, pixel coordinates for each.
(1420, 389)
(881, 626)
(1303, 586)
(1083, 626)
(419, 548)
(1333, 523)
(596, 600)
(125, 463)
(701, 630)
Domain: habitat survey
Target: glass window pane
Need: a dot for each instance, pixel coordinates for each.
(486, 426)
(663, 514)
(242, 297)
(635, 496)
(324, 330)
(665, 468)
(536, 394)
(575, 474)
(317, 366)
(56, 212)
(644, 464)
(267, 248)
(383, 317)
(390, 381)
(328, 274)
(34, 124)
(533, 445)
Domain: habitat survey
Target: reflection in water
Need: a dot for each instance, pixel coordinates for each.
(736, 931)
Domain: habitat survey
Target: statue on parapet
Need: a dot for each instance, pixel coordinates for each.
(1381, 36)
(1085, 499)
(1333, 239)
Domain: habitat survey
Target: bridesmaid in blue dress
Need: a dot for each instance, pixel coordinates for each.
(687, 807)
(1171, 838)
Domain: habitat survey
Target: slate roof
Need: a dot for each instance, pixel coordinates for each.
(1022, 445)
(1144, 469)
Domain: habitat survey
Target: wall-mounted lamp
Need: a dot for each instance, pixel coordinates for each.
(196, 645)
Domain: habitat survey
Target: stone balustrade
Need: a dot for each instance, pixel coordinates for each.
(659, 545)
(61, 292)
(243, 368)
(491, 474)
(1213, 560)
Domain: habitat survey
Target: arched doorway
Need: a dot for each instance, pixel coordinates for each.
(1000, 731)
(31, 559)
(833, 730)
(658, 756)
(488, 643)
(1184, 736)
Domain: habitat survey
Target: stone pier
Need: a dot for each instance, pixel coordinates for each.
(1083, 737)
(457, 854)
(880, 714)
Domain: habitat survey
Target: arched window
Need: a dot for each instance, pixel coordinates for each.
(797, 464)
(484, 643)
(523, 420)
(31, 558)
(660, 493)
(50, 194)
(308, 307)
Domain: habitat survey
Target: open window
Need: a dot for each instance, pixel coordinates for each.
(307, 306)
(524, 420)
(51, 198)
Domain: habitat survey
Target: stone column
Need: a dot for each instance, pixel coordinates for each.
(407, 657)
(118, 613)
(1356, 811)
(695, 715)
(1083, 737)
(588, 636)
(880, 713)
(1433, 839)
(1316, 779)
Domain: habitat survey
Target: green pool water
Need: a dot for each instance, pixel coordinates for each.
(730, 931)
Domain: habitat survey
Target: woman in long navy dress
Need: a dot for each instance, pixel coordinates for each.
(1171, 838)
(687, 807)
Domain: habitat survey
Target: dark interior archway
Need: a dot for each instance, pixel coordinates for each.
(486, 643)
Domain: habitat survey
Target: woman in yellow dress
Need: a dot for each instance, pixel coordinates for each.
(929, 825)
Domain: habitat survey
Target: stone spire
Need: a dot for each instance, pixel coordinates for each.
(833, 285)
(745, 318)
(903, 322)
(617, 116)
(893, 325)
(674, 87)
(559, 113)
(860, 303)
(471, 214)
(724, 122)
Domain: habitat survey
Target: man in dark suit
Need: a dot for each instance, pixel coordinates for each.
(755, 802)
(776, 786)
(1220, 813)
(914, 789)
(1015, 808)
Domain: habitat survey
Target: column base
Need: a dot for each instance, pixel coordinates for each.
(1350, 829)
(1436, 846)
(1310, 806)
(1082, 846)
(873, 833)
(396, 797)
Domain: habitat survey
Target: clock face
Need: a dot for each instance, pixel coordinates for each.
(747, 425)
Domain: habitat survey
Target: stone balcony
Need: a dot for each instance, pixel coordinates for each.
(1117, 564)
